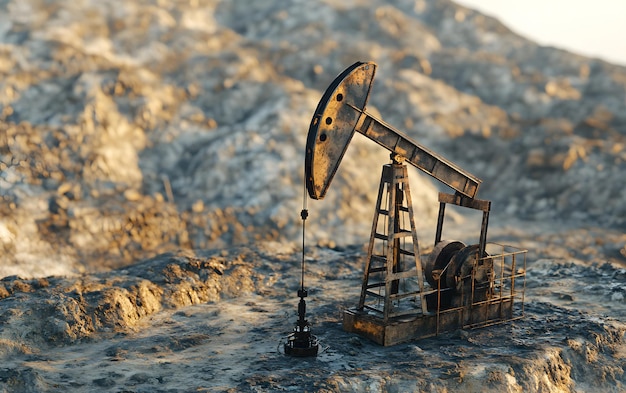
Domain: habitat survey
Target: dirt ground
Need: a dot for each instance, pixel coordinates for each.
(571, 337)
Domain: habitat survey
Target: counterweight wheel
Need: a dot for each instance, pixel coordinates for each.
(466, 266)
(440, 257)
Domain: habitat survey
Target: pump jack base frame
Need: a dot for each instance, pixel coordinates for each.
(407, 328)
(505, 304)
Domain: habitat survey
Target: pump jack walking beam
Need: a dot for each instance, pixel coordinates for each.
(341, 112)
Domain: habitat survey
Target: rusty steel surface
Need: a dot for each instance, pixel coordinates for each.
(417, 155)
(487, 291)
(333, 124)
(342, 111)
(439, 258)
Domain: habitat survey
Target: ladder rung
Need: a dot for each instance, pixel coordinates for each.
(380, 236)
(385, 212)
(376, 285)
(403, 233)
(378, 258)
(405, 252)
(397, 235)
(373, 308)
(370, 293)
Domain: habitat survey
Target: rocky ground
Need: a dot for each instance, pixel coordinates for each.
(132, 133)
(215, 321)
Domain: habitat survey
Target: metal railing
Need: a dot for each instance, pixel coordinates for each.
(498, 299)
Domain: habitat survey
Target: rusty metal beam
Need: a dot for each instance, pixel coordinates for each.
(341, 112)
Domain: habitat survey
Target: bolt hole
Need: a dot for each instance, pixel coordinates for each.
(329, 120)
(323, 137)
(339, 97)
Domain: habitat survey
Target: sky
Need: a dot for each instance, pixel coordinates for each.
(592, 28)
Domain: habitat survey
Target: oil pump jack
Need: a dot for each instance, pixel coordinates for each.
(405, 296)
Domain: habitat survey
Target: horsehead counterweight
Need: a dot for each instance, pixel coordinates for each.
(341, 112)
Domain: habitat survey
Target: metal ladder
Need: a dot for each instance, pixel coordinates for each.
(388, 254)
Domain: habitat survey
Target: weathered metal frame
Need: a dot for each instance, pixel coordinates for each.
(395, 180)
(498, 309)
(340, 113)
(463, 201)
